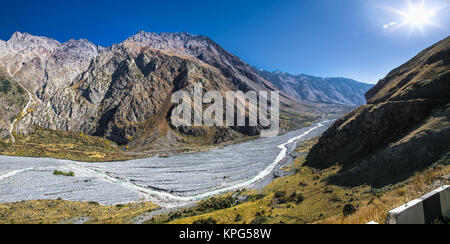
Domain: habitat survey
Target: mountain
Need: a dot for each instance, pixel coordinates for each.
(123, 92)
(403, 129)
(316, 89)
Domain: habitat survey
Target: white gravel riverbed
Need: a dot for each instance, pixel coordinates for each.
(169, 182)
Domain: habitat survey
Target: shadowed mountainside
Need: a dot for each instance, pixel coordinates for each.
(404, 128)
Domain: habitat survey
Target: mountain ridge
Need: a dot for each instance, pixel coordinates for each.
(403, 129)
(121, 92)
(336, 90)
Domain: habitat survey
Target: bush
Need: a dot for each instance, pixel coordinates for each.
(238, 218)
(259, 220)
(57, 173)
(217, 203)
(209, 221)
(282, 198)
(20, 90)
(349, 209)
(297, 198)
(257, 197)
(280, 194)
(5, 86)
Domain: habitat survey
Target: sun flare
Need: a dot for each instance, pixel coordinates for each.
(416, 15)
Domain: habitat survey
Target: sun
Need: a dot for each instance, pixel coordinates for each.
(418, 16)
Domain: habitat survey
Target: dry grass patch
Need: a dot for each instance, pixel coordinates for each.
(59, 211)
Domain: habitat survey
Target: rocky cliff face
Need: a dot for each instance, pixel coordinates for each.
(404, 128)
(123, 92)
(209, 52)
(316, 89)
(12, 101)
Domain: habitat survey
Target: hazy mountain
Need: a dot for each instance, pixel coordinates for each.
(404, 128)
(316, 89)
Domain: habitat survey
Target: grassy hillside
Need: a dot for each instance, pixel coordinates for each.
(64, 145)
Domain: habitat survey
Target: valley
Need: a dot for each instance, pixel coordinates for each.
(86, 136)
(168, 182)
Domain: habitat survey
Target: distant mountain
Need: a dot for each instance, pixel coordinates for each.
(121, 92)
(316, 89)
(404, 128)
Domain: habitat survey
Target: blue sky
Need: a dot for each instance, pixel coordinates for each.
(359, 39)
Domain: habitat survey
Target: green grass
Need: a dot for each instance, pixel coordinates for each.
(57, 173)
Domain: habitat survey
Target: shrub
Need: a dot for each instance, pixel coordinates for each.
(5, 86)
(238, 218)
(297, 198)
(217, 203)
(349, 209)
(259, 220)
(57, 172)
(209, 221)
(281, 197)
(175, 215)
(257, 197)
(20, 90)
(280, 194)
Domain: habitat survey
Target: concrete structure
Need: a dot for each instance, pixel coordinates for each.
(423, 210)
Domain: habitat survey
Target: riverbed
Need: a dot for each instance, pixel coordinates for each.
(169, 182)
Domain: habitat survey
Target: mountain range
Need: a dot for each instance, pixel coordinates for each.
(123, 92)
(317, 89)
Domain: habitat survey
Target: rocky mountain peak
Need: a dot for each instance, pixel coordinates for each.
(25, 41)
(178, 43)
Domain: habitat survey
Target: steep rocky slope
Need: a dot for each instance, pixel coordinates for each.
(123, 92)
(316, 89)
(404, 128)
(12, 100)
(206, 50)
